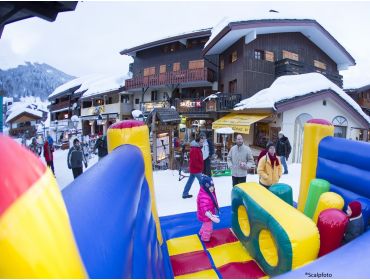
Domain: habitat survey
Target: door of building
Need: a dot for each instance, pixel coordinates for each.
(298, 136)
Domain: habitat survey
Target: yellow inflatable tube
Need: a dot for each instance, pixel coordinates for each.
(277, 236)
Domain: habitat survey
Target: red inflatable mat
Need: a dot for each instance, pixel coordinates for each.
(190, 263)
(249, 270)
(219, 237)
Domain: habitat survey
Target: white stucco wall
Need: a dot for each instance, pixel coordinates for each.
(318, 111)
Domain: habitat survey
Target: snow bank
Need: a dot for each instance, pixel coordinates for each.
(81, 81)
(106, 84)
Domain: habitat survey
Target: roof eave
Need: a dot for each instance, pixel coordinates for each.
(255, 23)
(132, 51)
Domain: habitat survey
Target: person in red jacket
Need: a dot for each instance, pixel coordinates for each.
(207, 208)
(48, 154)
(195, 166)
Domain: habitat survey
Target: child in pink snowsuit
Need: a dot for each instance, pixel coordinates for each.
(207, 207)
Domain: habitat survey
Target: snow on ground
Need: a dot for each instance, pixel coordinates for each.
(64, 175)
(168, 189)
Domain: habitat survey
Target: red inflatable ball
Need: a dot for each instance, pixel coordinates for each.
(332, 224)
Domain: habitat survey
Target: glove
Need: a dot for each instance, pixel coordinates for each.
(212, 217)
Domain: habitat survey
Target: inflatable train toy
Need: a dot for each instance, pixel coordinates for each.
(105, 223)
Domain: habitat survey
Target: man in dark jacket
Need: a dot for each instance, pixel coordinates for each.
(75, 159)
(101, 145)
(207, 152)
(283, 150)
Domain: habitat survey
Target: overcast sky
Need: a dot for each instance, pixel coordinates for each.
(88, 40)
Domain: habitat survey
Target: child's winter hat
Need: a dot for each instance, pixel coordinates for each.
(355, 208)
(207, 182)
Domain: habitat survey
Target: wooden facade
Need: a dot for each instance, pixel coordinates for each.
(264, 59)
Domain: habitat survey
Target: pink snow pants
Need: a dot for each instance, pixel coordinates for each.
(206, 231)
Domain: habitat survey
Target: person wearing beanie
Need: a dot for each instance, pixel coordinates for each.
(355, 226)
(269, 167)
(207, 208)
(283, 150)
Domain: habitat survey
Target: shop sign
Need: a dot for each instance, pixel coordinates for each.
(97, 110)
(149, 106)
(191, 103)
(211, 105)
(165, 128)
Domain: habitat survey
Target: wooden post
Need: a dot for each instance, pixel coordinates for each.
(171, 150)
(154, 137)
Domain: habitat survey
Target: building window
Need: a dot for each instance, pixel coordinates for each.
(290, 55)
(196, 64)
(86, 104)
(125, 99)
(154, 96)
(258, 54)
(110, 100)
(149, 71)
(98, 102)
(222, 87)
(222, 63)
(340, 126)
(162, 69)
(233, 56)
(269, 56)
(319, 64)
(137, 101)
(232, 86)
(176, 66)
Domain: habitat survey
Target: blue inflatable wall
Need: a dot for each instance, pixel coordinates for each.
(346, 165)
(109, 209)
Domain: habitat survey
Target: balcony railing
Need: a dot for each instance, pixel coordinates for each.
(182, 76)
(29, 130)
(223, 103)
(58, 106)
(288, 67)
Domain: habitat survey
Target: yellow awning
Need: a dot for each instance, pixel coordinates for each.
(238, 122)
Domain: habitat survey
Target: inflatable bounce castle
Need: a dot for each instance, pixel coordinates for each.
(105, 223)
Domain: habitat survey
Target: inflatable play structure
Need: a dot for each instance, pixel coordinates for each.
(105, 223)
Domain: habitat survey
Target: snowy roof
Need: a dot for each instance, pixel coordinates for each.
(78, 82)
(106, 84)
(165, 40)
(16, 113)
(289, 87)
(228, 31)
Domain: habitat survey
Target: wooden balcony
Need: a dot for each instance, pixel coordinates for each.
(225, 102)
(58, 106)
(291, 67)
(178, 77)
(30, 131)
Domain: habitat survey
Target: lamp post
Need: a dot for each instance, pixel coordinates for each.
(56, 131)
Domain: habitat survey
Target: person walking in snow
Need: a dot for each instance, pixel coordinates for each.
(75, 159)
(207, 208)
(48, 154)
(283, 150)
(102, 146)
(34, 147)
(195, 165)
(240, 157)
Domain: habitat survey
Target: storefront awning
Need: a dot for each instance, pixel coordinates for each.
(240, 123)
